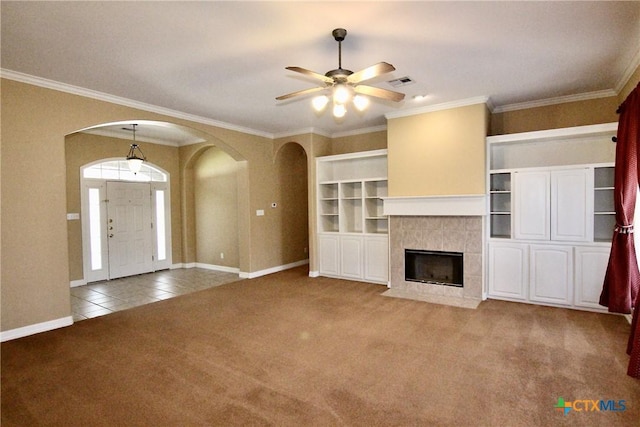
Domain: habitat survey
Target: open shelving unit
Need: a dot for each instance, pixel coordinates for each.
(351, 189)
(603, 205)
(353, 231)
(500, 204)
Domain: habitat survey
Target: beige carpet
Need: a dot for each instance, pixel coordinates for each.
(289, 350)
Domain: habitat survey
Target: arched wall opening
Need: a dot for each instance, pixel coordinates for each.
(216, 209)
(105, 142)
(291, 202)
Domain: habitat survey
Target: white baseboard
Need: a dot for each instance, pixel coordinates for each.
(217, 267)
(179, 265)
(253, 275)
(35, 329)
(628, 317)
(243, 274)
(75, 283)
(314, 273)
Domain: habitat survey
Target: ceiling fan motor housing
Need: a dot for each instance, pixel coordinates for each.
(339, 75)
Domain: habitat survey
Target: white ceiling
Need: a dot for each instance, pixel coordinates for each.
(225, 61)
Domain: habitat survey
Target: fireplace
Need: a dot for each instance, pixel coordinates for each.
(435, 267)
(432, 235)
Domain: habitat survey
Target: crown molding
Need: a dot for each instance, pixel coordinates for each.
(628, 72)
(557, 100)
(438, 107)
(303, 131)
(321, 132)
(101, 96)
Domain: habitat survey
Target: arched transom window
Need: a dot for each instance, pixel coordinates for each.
(119, 170)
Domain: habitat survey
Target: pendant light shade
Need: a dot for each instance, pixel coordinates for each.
(135, 161)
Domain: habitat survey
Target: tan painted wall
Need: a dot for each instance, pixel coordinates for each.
(361, 142)
(35, 260)
(438, 153)
(81, 149)
(216, 208)
(568, 114)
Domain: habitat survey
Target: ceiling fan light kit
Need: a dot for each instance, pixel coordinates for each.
(344, 85)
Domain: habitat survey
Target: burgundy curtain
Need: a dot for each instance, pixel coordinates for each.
(622, 281)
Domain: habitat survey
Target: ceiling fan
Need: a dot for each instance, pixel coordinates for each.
(345, 83)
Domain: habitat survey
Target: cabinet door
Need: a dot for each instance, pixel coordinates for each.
(376, 258)
(591, 266)
(531, 212)
(508, 270)
(351, 258)
(551, 274)
(329, 254)
(571, 205)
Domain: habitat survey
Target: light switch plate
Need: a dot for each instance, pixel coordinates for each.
(260, 212)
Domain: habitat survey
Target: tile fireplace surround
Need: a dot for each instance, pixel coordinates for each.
(437, 233)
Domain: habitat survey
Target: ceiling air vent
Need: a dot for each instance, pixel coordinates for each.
(402, 81)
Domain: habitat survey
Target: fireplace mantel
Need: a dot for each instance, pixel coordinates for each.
(455, 205)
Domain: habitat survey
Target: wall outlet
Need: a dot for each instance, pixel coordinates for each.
(260, 212)
(221, 255)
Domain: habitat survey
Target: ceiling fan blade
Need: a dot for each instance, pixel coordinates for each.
(310, 73)
(379, 93)
(300, 92)
(371, 72)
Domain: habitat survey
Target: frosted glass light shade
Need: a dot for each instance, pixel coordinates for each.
(341, 94)
(360, 102)
(135, 164)
(319, 102)
(339, 110)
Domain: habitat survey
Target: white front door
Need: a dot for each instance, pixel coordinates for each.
(129, 230)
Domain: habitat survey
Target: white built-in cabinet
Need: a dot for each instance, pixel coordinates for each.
(353, 240)
(551, 215)
(554, 204)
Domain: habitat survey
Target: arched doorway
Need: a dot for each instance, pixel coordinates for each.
(171, 149)
(126, 219)
(292, 195)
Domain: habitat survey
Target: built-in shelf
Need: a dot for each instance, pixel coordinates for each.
(352, 225)
(500, 204)
(351, 192)
(551, 215)
(604, 219)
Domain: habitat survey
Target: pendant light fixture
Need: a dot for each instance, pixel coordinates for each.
(135, 162)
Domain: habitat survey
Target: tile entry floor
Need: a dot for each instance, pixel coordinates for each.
(100, 298)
